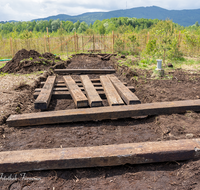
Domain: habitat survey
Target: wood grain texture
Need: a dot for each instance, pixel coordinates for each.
(92, 95)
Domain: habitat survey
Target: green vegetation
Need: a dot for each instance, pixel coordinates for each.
(27, 30)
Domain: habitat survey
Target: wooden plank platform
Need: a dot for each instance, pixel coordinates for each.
(84, 71)
(79, 98)
(43, 100)
(110, 112)
(99, 156)
(124, 92)
(92, 95)
(112, 96)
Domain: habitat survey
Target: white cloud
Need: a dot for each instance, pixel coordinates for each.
(32, 9)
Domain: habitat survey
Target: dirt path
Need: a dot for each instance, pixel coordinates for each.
(172, 175)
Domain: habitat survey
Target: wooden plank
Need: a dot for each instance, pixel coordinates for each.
(77, 81)
(124, 92)
(112, 96)
(84, 71)
(61, 84)
(131, 88)
(43, 100)
(66, 95)
(79, 98)
(109, 112)
(99, 156)
(92, 95)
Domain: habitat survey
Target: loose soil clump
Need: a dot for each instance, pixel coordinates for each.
(30, 61)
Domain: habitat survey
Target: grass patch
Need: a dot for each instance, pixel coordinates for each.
(2, 64)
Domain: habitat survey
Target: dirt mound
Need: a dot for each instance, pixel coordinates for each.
(29, 61)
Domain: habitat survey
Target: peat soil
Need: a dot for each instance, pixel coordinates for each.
(177, 85)
(30, 61)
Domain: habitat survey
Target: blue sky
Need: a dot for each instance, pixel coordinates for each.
(31, 9)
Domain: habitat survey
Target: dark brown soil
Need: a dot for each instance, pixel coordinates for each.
(30, 61)
(181, 85)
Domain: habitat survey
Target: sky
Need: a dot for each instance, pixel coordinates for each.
(25, 10)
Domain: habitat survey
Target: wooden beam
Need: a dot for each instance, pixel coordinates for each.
(110, 112)
(124, 92)
(77, 81)
(112, 96)
(61, 84)
(43, 100)
(99, 156)
(131, 88)
(85, 71)
(67, 95)
(63, 93)
(79, 98)
(92, 95)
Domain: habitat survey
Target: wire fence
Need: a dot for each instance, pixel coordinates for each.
(190, 46)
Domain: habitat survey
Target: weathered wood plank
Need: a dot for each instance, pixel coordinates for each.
(124, 92)
(92, 95)
(61, 84)
(131, 88)
(110, 112)
(84, 71)
(79, 98)
(99, 156)
(43, 100)
(64, 94)
(112, 96)
(77, 81)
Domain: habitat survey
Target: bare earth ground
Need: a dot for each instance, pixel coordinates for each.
(172, 175)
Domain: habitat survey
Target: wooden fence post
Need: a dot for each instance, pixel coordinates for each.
(113, 41)
(77, 42)
(48, 40)
(82, 44)
(93, 44)
(11, 47)
(45, 44)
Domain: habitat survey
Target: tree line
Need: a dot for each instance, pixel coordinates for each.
(57, 27)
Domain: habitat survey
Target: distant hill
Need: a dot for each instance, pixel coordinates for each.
(182, 17)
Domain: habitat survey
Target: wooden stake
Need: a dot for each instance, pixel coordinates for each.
(45, 44)
(48, 40)
(82, 45)
(113, 41)
(11, 47)
(75, 42)
(93, 44)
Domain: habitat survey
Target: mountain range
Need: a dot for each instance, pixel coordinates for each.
(182, 17)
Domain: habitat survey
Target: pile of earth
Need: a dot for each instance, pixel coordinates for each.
(29, 61)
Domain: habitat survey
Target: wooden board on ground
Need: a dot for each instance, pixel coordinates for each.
(43, 100)
(92, 95)
(112, 96)
(84, 71)
(101, 113)
(63, 93)
(100, 88)
(99, 156)
(124, 92)
(79, 98)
